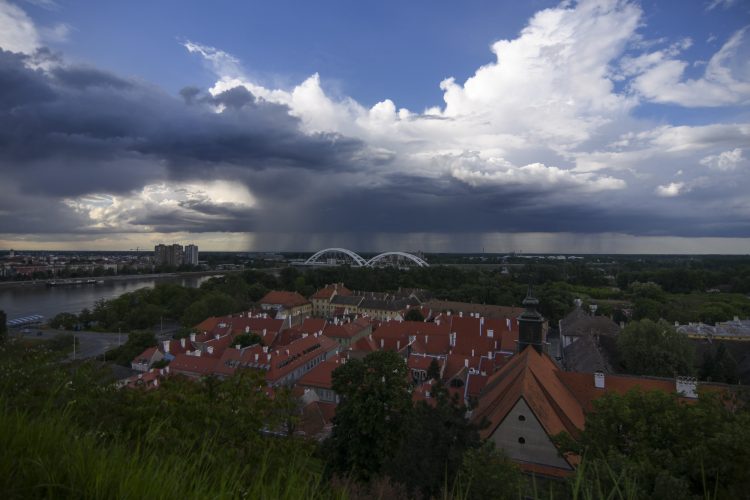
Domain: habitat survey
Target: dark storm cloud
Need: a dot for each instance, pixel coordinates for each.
(69, 131)
(82, 121)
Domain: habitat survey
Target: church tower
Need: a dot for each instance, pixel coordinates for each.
(531, 325)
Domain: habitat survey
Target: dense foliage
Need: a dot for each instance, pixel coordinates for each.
(650, 348)
(666, 448)
(3, 325)
(74, 424)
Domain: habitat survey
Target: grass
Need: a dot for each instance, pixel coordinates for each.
(46, 456)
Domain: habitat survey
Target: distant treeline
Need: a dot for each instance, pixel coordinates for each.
(628, 289)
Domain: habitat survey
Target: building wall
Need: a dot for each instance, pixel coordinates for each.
(537, 447)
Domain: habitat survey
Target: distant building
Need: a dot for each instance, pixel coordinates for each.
(191, 255)
(286, 304)
(169, 255)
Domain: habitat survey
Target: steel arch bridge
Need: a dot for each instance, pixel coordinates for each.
(332, 253)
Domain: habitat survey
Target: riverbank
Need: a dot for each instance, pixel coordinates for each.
(122, 277)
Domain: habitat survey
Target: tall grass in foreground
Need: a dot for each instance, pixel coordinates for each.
(47, 457)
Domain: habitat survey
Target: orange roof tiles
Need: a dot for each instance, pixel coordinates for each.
(284, 299)
(328, 291)
(531, 376)
(322, 375)
(193, 365)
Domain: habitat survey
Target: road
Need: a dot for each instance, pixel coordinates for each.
(90, 344)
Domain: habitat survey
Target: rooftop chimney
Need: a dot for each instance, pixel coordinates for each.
(166, 346)
(210, 349)
(247, 329)
(182, 342)
(490, 333)
(687, 386)
(599, 380)
(192, 337)
(238, 346)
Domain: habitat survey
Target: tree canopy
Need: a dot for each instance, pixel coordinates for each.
(650, 348)
(666, 448)
(374, 403)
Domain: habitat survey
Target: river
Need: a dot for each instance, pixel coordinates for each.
(19, 301)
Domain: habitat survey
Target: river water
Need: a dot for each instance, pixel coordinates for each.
(19, 301)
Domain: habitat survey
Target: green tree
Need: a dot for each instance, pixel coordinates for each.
(669, 448)
(433, 371)
(64, 321)
(487, 472)
(414, 315)
(137, 343)
(374, 404)
(719, 365)
(433, 444)
(650, 348)
(247, 339)
(3, 325)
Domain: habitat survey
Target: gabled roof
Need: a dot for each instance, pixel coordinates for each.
(207, 324)
(328, 291)
(584, 355)
(533, 377)
(578, 323)
(145, 356)
(277, 363)
(346, 300)
(284, 299)
(485, 310)
(422, 362)
(321, 375)
(345, 330)
(365, 344)
(194, 365)
(395, 335)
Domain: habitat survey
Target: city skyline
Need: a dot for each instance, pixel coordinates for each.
(573, 127)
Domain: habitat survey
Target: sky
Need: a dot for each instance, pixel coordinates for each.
(597, 126)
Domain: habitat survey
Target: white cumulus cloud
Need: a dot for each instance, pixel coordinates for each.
(671, 190)
(725, 161)
(17, 31)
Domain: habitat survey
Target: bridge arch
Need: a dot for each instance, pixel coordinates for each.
(315, 259)
(419, 262)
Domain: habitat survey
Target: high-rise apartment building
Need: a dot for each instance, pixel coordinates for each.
(191, 255)
(169, 255)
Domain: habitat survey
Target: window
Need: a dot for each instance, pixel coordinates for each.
(521, 418)
(521, 440)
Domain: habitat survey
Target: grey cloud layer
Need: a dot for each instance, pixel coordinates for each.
(71, 131)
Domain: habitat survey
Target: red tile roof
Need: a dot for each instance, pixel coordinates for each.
(284, 299)
(145, 356)
(321, 375)
(277, 363)
(417, 362)
(328, 291)
(365, 344)
(531, 376)
(193, 365)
